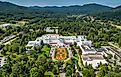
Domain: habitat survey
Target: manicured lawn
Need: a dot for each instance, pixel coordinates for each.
(49, 74)
(45, 50)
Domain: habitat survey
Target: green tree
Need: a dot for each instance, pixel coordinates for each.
(34, 72)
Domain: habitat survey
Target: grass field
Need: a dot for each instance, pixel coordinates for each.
(45, 50)
(49, 74)
(22, 22)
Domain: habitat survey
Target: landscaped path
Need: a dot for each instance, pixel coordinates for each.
(79, 63)
(69, 54)
(62, 74)
(52, 52)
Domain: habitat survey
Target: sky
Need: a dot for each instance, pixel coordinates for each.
(111, 3)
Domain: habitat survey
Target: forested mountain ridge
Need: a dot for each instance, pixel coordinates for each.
(113, 15)
(10, 11)
(6, 7)
(118, 7)
(76, 9)
(88, 8)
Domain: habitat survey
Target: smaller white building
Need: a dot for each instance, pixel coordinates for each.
(32, 44)
(93, 59)
(87, 49)
(7, 38)
(51, 29)
(2, 61)
(5, 25)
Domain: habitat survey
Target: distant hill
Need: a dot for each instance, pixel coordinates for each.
(85, 9)
(9, 11)
(12, 11)
(7, 7)
(114, 15)
(119, 7)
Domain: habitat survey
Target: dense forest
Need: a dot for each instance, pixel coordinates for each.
(36, 63)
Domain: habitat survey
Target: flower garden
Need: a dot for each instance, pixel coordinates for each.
(61, 53)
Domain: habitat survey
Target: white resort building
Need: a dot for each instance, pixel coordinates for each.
(59, 40)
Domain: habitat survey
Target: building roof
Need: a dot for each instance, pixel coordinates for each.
(91, 56)
(88, 48)
(4, 25)
(33, 43)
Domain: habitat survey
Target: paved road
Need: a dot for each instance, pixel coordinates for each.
(62, 74)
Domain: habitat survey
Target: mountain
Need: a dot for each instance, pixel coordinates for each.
(113, 15)
(118, 7)
(7, 7)
(95, 8)
(88, 8)
(10, 11)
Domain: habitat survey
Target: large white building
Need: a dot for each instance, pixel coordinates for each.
(59, 40)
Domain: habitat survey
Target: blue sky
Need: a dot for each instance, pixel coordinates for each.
(111, 3)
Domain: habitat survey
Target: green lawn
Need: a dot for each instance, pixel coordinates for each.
(45, 50)
(49, 74)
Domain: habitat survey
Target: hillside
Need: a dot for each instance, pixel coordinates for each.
(75, 9)
(6, 7)
(113, 15)
(10, 11)
(9, 8)
(118, 8)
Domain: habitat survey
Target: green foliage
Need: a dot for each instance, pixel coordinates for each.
(103, 70)
(88, 72)
(113, 74)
